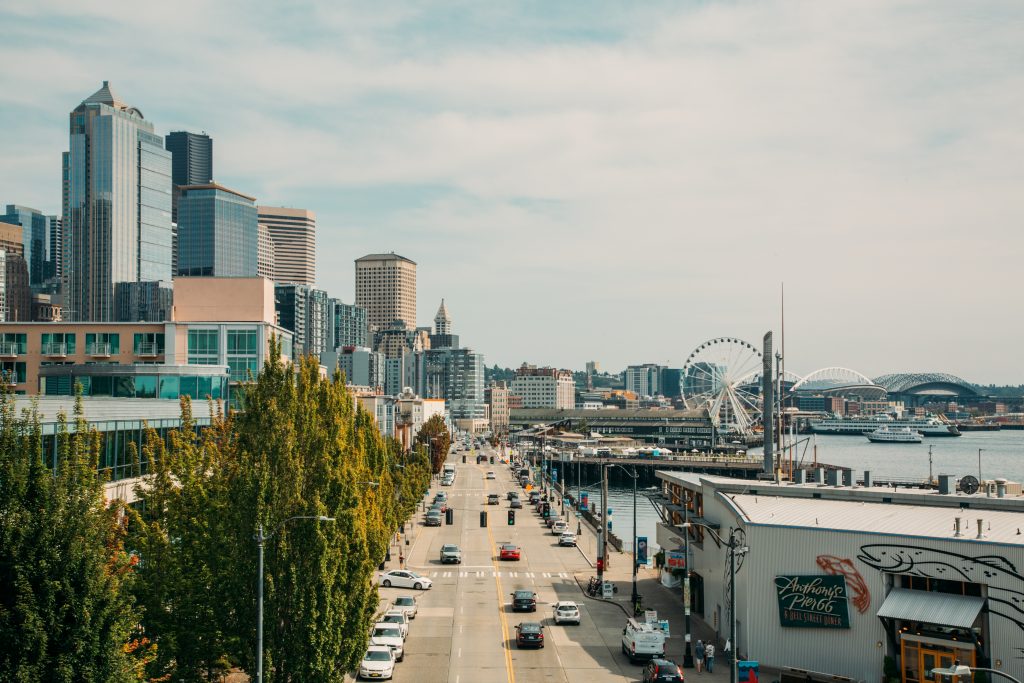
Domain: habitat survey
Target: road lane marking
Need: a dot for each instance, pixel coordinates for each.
(509, 671)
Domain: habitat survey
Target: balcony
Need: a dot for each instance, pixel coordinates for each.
(98, 349)
(9, 349)
(148, 350)
(55, 350)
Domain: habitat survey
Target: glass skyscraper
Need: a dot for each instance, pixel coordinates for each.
(35, 228)
(118, 222)
(191, 161)
(217, 232)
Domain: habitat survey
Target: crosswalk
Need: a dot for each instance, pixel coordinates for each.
(480, 574)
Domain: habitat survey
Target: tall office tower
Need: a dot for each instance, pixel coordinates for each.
(35, 228)
(55, 249)
(264, 252)
(191, 162)
(457, 376)
(217, 232)
(347, 323)
(17, 295)
(150, 301)
(293, 234)
(386, 288)
(118, 222)
(303, 310)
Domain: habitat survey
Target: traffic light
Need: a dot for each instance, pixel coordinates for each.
(511, 517)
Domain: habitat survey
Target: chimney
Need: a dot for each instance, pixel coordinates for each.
(959, 533)
(981, 530)
(945, 484)
(867, 479)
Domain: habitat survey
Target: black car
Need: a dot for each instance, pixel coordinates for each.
(662, 671)
(512, 494)
(493, 499)
(530, 634)
(524, 601)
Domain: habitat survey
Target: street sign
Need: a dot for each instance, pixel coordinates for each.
(813, 601)
(675, 559)
(641, 549)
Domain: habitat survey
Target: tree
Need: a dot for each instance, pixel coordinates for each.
(66, 610)
(435, 437)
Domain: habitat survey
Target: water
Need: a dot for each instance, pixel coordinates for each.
(1002, 456)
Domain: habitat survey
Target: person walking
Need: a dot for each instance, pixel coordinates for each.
(699, 656)
(709, 657)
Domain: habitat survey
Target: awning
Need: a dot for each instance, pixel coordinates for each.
(944, 609)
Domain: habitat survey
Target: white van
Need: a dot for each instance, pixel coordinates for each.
(642, 641)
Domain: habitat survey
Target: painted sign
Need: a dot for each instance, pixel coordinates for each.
(813, 601)
(584, 501)
(641, 549)
(675, 559)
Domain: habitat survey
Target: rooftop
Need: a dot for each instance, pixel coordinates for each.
(216, 186)
(391, 256)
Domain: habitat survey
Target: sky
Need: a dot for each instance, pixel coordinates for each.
(588, 180)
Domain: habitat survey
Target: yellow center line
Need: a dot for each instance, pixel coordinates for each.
(509, 671)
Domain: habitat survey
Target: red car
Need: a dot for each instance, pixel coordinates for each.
(509, 552)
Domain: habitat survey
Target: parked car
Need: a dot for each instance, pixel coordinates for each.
(433, 518)
(391, 636)
(529, 634)
(398, 618)
(403, 578)
(493, 499)
(378, 663)
(407, 604)
(508, 551)
(566, 612)
(559, 528)
(662, 671)
(568, 539)
(524, 601)
(441, 497)
(451, 553)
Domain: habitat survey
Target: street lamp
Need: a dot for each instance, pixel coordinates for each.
(635, 598)
(262, 538)
(958, 671)
(734, 549)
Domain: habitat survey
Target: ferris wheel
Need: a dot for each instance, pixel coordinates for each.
(722, 375)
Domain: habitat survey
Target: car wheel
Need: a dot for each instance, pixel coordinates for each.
(418, 586)
(386, 583)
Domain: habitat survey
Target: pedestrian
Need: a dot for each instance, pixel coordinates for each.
(727, 650)
(699, 651)
(401, 560)
(709, 657)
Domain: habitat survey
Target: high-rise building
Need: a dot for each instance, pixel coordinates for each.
(55, 250)
(361, 366)
(442, 337)
(386, 288)
(217, 232)
(117, 227)
(16, 292)
(264, 252)
(191, 162)
(457, 376)
(497, 398)
(671, 382)
(643, 380)
(303, 310)
(151, 301)
(347, 323)
(293, 234)
(35, 228)
(544, 387)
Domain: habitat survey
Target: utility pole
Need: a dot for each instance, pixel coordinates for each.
(687, 653)
(602, 536)
(733, 674)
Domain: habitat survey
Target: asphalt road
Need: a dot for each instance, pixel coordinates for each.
(465, 629)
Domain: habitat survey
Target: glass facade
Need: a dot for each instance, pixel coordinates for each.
(203, 347)
(131, 385)
(217, 233)
(35, 232)
(242, 354)
(348, 325)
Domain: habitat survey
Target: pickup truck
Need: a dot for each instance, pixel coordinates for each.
(451, 553)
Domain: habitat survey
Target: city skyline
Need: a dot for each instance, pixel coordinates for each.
(640, 180)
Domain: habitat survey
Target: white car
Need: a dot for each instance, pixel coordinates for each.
(403, 578)
(398, 618)
(566, 612)
(567, 539)
(490, 475)
(407, 604)
(559, 528)
(378, 663)
(390, 635)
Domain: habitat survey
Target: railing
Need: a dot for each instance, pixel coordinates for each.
(55, 349)
(147, 349)
(10, 349)
(98, 349)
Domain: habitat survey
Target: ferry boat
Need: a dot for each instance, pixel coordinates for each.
(889, 434)
(927, 426)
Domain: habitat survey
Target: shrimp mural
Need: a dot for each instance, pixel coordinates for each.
(831, 564)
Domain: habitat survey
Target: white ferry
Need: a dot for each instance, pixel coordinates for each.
(928, 426)
(889, 434)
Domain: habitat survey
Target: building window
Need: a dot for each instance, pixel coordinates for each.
(58, 344)
(13, 343)
(102, 343)
(203, 348)
(12, 372)
(148, 344)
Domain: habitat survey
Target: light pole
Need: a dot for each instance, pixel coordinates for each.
(687, 654)
(635, 597)
(960, 670)
(261, 539)
(734, 549)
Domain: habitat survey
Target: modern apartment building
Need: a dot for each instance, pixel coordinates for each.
(362, 366)
(220, 332)
(118, 222)
(217, 232)
(386, 288)
(643, 380)
(293, 234)
(303, 310)
(191, 162)
(15, 293)
(544, 387)
(348, 324)
(264, 252)
(457, 376)
(35, 228)
(151, 301)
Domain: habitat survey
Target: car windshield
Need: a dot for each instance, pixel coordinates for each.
(567, 608)
(529, 628)
(415, 575)
(508, 547)
(383, 632)
(524, 595)
(377, 656)
(668, 670)
(449, 547)
(394, 619)
(405, 602)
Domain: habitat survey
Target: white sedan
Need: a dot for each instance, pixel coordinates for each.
(490, 475)
(403, 578)
(378, 663)
(566, 612)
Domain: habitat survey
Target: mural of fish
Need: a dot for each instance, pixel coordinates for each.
(831, 564)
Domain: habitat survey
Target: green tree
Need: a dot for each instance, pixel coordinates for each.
(435, 437)
(66, 610)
